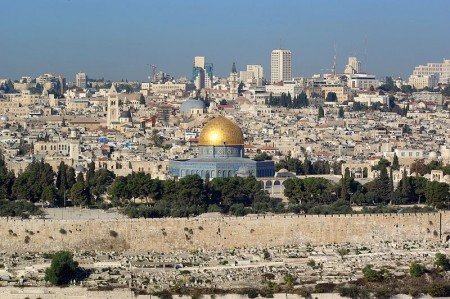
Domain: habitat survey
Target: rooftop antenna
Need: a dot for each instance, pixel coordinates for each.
(334, 61)
(365, 56)
(280, 45)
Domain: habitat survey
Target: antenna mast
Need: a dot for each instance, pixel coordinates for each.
(334, 61)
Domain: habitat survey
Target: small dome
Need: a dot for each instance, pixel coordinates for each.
(125, 114)
(221, 131)
(190, 104)
(80, 168)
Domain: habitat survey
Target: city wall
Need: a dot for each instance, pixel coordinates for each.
(172, 234)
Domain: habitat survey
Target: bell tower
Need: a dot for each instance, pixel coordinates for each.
(113, 107)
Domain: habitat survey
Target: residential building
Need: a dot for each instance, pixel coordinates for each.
(281, 66)
(362, 81)
(422, 81)
(441, 70)
(81, 80)
(427, 96)
(353, 66)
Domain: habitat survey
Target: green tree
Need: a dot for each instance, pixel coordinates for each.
(103, 178)
(341, 112)
(321, 112)
(50, 194)
(80, 194)
(80, 177)
(419, 167)
(142, 100)
(395, 163)
(62, 269)
(30, 184)
(436, 194)
(381, 186)
(90, 174)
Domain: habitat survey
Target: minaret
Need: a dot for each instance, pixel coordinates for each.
(113, 107)
(233, 81)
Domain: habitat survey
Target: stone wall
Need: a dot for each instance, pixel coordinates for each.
(171, 234)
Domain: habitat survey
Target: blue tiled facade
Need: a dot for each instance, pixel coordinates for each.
(221, 161)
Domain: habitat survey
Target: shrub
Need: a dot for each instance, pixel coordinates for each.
(62, 231)
(416, 269)
(164, 294)
(325, 287)
(442, 262)
(372, 275)
(113, 233)
(311, 263)
(252, 293)
(439, 289)
(351, 291)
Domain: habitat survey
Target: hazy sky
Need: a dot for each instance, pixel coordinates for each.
(117, 39)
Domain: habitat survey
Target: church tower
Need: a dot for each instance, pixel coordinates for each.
(112, 115)
(233, 81)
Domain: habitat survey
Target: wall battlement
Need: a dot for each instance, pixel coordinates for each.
(213, 233)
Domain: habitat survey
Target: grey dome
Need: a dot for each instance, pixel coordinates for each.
(80, 168)
(190, 104)
(125, 114)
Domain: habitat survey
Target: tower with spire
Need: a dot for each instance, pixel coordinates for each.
(233, 82)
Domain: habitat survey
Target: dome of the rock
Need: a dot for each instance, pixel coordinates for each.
(221, 131)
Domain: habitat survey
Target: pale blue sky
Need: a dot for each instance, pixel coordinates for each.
(117, 39)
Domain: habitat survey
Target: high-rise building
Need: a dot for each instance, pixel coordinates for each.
(202, 73)
(353, 66)
(440, 70)
(281, 66)
(81, 80)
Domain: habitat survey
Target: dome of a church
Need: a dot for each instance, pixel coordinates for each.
(221, 131)
(125, 114)
(190, 104)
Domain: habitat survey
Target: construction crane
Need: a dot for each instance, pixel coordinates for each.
(153, 67)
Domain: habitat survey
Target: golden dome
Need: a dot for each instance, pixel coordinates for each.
(221, 131)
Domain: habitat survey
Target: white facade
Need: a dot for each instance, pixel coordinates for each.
(277, 90)
(403, 153)
(81, 80)
(281, 66)
(440, 70)
(362, 81)
(422, 81)
(368, 99)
